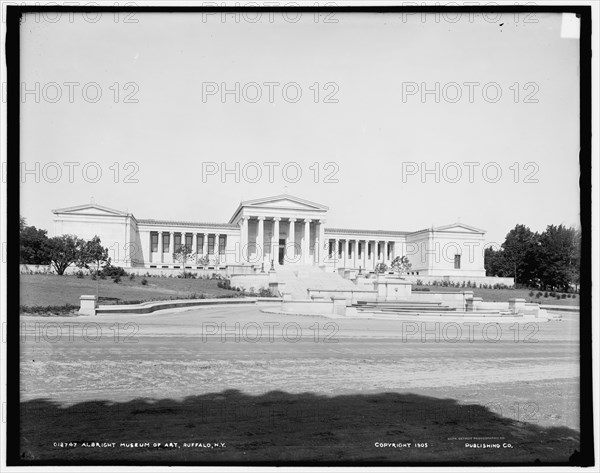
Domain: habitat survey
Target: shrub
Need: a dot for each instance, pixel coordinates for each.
(80, 274)
(131, 277)
(113, 271)
(530, 293)
(538, 295)
(563, 296)
(546, 294)
(94, 277)
(224, 284)
(51, 309)
(144, 281)
(117, 279)
(102, 275)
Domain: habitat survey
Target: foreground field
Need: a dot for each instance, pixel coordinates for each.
(53, 290)
(262, 388)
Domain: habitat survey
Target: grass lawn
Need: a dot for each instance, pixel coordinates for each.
(503, 295)
(53, 290)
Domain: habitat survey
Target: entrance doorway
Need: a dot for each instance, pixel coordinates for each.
(281, 250)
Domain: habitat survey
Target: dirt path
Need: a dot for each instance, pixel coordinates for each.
(305, 388)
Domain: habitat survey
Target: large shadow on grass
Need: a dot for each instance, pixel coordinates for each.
(283, 428)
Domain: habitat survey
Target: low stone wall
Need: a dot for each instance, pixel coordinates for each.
(457, 300)
(241, 269)
(153, 306)
(36, 269)
(250, 282)
(160, 272)
(350, 296)
(484, 305)
(560, 308)
(206, 272)
(308, 306)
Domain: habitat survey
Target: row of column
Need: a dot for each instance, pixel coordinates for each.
(200, 250)
(290, 244)
(369, 258)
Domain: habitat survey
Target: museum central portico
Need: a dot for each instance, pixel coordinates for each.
(281, 229)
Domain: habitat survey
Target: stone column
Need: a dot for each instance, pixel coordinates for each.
(355, 254)
(323, 245)
(292, 239)
(385, 251)
(203, 245)
(260, 239)
(150, 247)
(306, 242)
(365, 254)
(216, 250)
(243, 240)
(336, 253)
(195, 243)
(374, 254)
(160, 246)
(171, 245)
(275, 241)
(344, 258)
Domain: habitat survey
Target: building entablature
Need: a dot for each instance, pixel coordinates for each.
(344, 233)
(186, 226)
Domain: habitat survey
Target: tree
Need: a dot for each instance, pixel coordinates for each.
(520, 254)
(547, 260)
(63, 251)
(203, 260)
(559, 256)
(93, 253)
(33, 245)
(182, 255)
(401, 265)
(495, 264)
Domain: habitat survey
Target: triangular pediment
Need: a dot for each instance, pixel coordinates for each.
(90, 209)
(284, 202)
(278, 204)
(458, 228)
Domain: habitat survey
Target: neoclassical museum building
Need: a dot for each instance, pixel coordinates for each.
(280, 230)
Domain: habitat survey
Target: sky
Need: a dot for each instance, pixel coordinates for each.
(362, 134)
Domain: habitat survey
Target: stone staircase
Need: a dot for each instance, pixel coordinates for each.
(299, 278)
(393, 309)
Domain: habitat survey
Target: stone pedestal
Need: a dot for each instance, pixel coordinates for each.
(87, 305)
(516, 305)
(468, 305)
(392, 289)
(339, 305)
